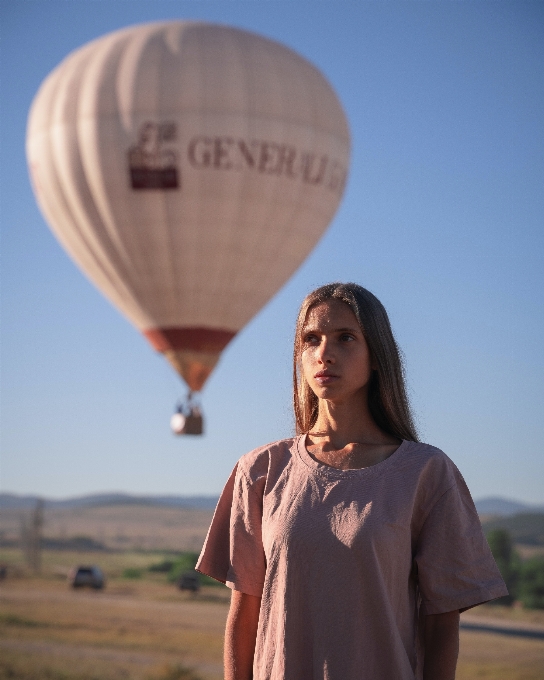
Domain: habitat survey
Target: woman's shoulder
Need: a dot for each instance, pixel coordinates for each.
(428, 457)
(434, 471)
(259, 462)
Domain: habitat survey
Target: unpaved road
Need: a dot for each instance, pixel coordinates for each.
(501, 627)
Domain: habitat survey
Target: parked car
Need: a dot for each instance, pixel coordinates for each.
(189, 581)
(91, 576)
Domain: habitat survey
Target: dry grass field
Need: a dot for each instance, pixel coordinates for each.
(486, 656)
(135, 629)
(145, 628)
(120, 527)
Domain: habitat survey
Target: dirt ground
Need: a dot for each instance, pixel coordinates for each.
(146, 629)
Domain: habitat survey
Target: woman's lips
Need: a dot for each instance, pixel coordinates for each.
(324, 378)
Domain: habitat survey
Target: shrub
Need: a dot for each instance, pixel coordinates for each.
(508, 562)
(187, 562)
(531, 587)
(132, 572)
(161, 567)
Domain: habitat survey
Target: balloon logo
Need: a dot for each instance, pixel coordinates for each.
(188, 169)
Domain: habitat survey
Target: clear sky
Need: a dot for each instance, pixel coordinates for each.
(442, 219)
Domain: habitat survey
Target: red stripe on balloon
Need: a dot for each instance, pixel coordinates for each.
(196, 339)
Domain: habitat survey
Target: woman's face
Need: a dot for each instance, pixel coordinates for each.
(335, 357)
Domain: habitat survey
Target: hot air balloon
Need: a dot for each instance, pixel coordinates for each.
(188, 169)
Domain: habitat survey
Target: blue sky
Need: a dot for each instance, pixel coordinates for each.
(442, 219)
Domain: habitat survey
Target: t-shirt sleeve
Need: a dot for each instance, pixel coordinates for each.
(233, 551)
(455, 567)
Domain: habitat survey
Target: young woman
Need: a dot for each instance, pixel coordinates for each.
(351, 548)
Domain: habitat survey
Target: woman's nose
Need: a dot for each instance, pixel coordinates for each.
(324, 352)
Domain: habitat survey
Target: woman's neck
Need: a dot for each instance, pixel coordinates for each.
(347, 422)
(346, 436)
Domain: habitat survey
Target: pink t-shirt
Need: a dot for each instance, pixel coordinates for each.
(346, 561)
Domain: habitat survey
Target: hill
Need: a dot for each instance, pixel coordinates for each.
(9, 501)
(119, 526)
(504, 507)
(121, 521)
(494, 505)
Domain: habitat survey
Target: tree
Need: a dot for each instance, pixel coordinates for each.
(31, 537)
(531, 586)
(508, 562)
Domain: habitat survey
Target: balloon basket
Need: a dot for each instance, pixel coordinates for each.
(188, 418)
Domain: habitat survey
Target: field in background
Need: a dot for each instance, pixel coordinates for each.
(145, 628)
(133, 630)
(117, 527)
(145, 526)
(495, 657)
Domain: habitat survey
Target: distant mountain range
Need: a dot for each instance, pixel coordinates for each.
(504, 507)
(497, 506)
(14, 502)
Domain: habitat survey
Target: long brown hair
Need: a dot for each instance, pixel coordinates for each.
(387, 398)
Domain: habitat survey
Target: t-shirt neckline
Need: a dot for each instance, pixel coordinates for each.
(328, 471)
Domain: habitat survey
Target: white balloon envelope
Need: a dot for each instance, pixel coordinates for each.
(188, 169)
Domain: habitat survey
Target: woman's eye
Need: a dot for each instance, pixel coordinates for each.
(310, 339)
(346, 337)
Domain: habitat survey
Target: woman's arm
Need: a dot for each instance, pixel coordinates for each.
(240, 635)
(441, 646)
